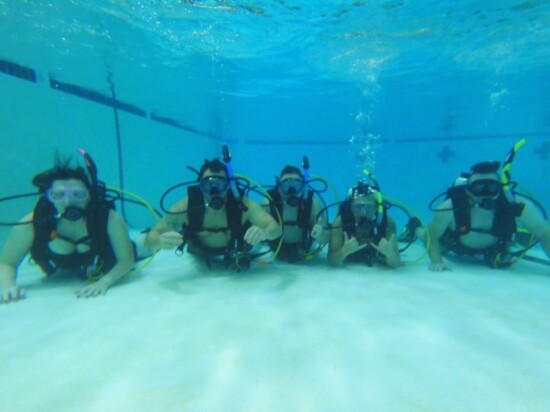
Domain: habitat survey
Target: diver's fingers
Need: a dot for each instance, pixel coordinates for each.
(374, 246)
(12, 294)
(254, 235)
(346, 237)
(364, 245)
(170, 240)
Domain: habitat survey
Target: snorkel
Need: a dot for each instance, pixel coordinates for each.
(90, 165)
(375, 190)
(98, 187)
(506, 175)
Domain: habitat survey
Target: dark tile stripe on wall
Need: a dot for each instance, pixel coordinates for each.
(16, 70)
(174, 123)
(26, 73)
(97, 97)
(433, 139)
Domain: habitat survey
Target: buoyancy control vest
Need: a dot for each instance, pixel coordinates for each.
(302, 221)
(100, 254)
(503, 228)
(196, 209)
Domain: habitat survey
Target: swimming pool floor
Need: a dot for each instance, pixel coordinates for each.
(175, 337)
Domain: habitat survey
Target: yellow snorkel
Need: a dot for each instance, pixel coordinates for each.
(377, 196)
(506, 176)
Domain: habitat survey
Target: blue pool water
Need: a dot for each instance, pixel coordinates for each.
(414, 91)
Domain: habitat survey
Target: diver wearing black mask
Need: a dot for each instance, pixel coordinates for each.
(483, 185)
(476, 219)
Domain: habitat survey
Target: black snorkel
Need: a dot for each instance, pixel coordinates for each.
(98, 187)
(71, 213)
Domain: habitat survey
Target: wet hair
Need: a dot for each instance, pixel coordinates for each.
(288, 169)
(490, 166)
(215, 165)
(61, 170)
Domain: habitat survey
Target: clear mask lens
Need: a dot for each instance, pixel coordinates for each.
(70, 193)
(364, 209)
(291, 186)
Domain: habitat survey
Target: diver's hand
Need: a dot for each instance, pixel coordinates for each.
(385, 246)
(255, 235)
(351, 245)
(388, 249)
(95, 289)
(170, 240)
(439, 267)
(11, 293)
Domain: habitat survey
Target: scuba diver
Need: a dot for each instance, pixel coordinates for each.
(72, 229)
(214, 219)
(478, 218)
(362, 232)
(292, 202)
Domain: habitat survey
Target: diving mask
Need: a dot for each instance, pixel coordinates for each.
(485, 188)
(364, 209)
(291, 186)
(214, 185)
(74, 193)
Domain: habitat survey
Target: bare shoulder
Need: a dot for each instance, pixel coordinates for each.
(530, 215)
(445, 206)
(444, 210)
(178, 212)
(25, 228)
(19, 242)
(116, 222)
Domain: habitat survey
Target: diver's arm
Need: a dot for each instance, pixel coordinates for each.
(264, 227)
(336, 241)
(265, 204)
(124, 255)
(441, 221)
(535, 223)
(18, 244)
(165, 234)
(320, 232)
